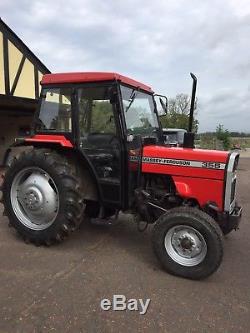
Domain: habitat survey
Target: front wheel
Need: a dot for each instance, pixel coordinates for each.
(188, 243)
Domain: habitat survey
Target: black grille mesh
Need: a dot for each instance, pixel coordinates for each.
(233, 190)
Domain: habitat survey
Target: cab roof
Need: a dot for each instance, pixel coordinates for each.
(84, 77)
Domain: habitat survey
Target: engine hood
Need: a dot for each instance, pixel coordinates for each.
(185, 162)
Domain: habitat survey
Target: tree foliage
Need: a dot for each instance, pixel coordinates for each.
(178, 113)
(224, 136)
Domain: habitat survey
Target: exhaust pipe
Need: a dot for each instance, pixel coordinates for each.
(191, 114)
(189, 136)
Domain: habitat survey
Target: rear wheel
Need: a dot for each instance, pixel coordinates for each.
(188, 243)
(42, 196)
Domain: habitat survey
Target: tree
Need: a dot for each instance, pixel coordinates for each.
(178, 113)
(223, 135)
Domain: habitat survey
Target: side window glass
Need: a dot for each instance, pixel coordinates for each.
(96, 111)
(55, 112)
(102, 120)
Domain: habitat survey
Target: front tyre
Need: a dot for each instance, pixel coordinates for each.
(42, 196)
(188, 243)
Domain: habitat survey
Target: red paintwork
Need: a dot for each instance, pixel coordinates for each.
(50, 139)
(184, 154)
(201, 189)
(200, 183)
(85, 77)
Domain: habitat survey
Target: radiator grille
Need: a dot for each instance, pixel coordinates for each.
(233, 190)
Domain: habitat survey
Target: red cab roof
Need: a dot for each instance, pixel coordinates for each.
(91, 77)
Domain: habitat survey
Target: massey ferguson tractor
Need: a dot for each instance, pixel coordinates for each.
(97, 149)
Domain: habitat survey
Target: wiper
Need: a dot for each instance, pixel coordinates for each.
(132, 98)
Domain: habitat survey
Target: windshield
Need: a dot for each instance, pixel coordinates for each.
(139, 112)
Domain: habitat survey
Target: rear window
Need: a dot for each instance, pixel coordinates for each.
(55, 111)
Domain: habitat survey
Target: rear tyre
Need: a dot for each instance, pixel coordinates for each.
(42, 196)
(188, 243)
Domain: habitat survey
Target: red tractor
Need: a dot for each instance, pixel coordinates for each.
(97, 148)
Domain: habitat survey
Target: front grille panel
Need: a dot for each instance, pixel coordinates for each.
(233, 188)
(230, 190)
(236, 162)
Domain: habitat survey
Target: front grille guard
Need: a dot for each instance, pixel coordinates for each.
(230, 191)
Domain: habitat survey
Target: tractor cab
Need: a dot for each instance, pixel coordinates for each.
(105, 116)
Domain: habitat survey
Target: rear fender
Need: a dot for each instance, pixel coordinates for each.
(88, 173)
(84, 167)
(13, 151)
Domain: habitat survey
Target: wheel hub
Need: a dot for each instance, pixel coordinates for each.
(185, 245)
(34, 198)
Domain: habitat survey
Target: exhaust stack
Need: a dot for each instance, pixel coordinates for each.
(191, 114)
(189, 136)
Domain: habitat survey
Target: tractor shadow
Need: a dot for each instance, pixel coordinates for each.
(122, 237)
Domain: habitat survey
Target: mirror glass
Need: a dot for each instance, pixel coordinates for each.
(161, 104)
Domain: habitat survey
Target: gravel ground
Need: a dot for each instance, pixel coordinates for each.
(59, 289)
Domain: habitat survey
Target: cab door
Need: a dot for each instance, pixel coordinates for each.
(141, 125)
(100, 139)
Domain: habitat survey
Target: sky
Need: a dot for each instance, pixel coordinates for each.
(156, 42)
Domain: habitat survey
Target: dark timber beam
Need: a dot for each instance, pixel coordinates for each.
(15, 40)
(20, 67)
(6, 65)
(36, 80)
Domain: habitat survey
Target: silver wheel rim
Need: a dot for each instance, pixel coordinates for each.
(185, 245)
(34, 198)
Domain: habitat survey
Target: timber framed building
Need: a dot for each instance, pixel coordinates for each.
(20, 75)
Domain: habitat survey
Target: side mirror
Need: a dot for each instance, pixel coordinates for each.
(161, 104)
(164, 105)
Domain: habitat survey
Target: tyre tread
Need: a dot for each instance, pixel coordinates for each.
(206, 221)
(72, 189)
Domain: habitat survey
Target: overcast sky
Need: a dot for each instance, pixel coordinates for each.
(156, 42)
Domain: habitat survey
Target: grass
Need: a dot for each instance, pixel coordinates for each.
(210, 142)
(242, 142)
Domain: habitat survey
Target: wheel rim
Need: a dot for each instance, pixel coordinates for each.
(185, 245)
(34, 198)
